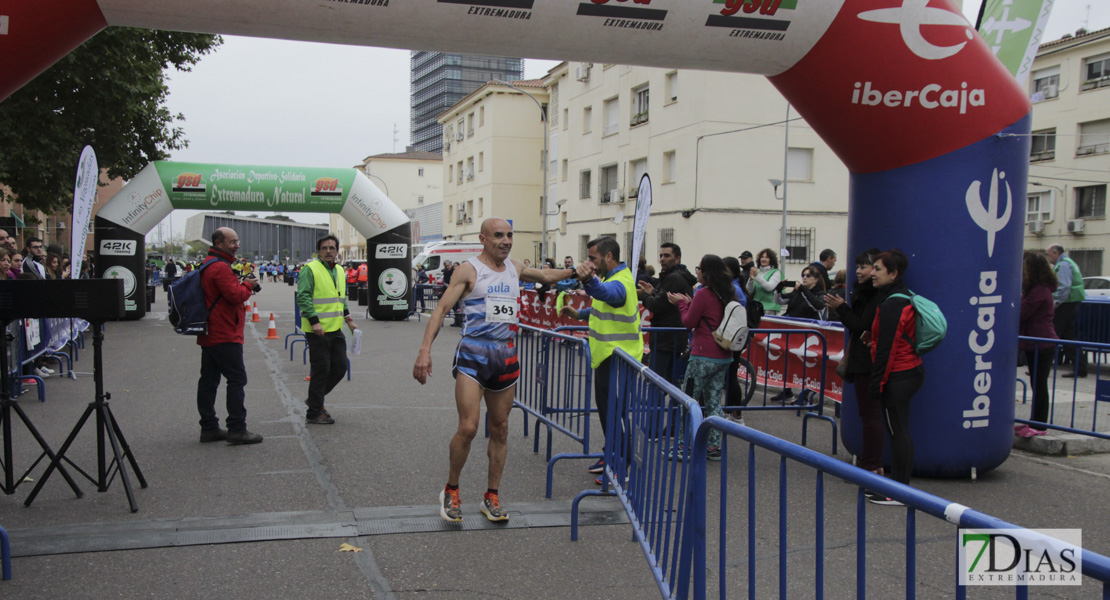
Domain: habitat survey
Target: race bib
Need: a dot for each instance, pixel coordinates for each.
(501, 309)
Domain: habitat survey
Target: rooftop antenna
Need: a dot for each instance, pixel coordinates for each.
(395, 134)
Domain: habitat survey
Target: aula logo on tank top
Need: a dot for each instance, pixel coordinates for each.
(501, 288)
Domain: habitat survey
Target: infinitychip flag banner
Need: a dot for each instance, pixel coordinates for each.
(84, 197)
(639, 228)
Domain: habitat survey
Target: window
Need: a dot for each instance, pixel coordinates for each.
(1046, 84)
(459, 177)
(671, 87)
(587, 117)
(450, 172)
(1094, 138)
(1088, 261)
(637, 168)
(611, 121)
(420, 199)
(1090, 202)
(666, 235)
(608, 184)
(639, 105)
(583, 240)
(1039, 207)
(799, 244)
(563, 174)
(481, 161)
(1044, 145)
(470, 168)
(584, 183)
(481, 116)
(566, 118)
(470, 125)
(799, 164)
(481, 207)
(420, 172)
(669, 167)
(1098, 72)
(462, 130)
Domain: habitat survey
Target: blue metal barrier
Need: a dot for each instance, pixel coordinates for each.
(1058, 417)
(696, 545)
(645, 411)
(296, 330)
(555, 387)
(425, 299)
(1092, 321)
(5, 554)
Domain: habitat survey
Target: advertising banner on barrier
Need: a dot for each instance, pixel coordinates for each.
(796, 359)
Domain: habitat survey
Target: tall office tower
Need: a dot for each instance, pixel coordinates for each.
(440, 79)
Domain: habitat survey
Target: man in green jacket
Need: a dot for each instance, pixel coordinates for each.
(1069, 293)
(323, 312)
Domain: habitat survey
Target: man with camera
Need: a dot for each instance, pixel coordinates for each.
(221, 349)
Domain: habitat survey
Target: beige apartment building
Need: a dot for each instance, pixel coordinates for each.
(493, 163)
(1069, 162)
(709, 142)
(413, 181)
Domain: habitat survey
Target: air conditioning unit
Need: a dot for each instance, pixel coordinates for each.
(1036, 228)
(1075, 226)
(615, 197)
(582, 72)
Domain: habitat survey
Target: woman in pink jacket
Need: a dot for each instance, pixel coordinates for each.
(707, 372)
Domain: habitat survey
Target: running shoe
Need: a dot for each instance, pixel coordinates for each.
(1027, 432)
(598, 466)
(736, 418)
(713, 454)
(323, 418)
(47, 369)
(450, 508)
(491, 507)
(876, 498)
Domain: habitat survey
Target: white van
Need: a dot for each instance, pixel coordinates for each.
(434, 253)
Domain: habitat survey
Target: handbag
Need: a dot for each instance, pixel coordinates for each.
(842, 368)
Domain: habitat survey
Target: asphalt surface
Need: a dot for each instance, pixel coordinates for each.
(267, 521)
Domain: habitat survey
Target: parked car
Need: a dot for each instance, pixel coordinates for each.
(1097, 286)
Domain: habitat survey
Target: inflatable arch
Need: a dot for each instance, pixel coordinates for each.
(932, 127)
(123, 222)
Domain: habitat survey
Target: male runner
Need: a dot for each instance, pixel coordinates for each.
(485, 363)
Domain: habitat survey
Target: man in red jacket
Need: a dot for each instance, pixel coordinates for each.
(221, 349)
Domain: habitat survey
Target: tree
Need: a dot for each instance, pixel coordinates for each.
(109, 93)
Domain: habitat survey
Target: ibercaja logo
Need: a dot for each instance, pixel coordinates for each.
(326, 186)
(1021, 557)
(189, 182)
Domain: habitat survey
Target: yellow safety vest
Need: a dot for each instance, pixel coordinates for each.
(616, 327)
(326, 300)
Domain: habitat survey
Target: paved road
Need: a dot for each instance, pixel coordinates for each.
(267, 521)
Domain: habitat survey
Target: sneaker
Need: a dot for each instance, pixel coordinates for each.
(677, 452)
(42, 373)
(600, 480)
(491, 507)
(736, 418)
(782, 396)
(876, 498)
(238, 438)
(450, 508)
(598, 466)
(1027, 432)
(212, 435)
(321, 419)
(48, 370)
(713, 454)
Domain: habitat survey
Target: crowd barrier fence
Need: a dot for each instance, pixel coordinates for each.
(37, 339)
(1064, 391)
(916, 501)
(645, 469)
(1092, 320)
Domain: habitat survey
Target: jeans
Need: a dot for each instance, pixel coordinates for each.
(327, 357)
(225, 360)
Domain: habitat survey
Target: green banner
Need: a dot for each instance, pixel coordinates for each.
(259, 188)
(1013, 30)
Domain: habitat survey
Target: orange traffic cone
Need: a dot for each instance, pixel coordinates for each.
(271, 332)
(254, 316)
(246, 307)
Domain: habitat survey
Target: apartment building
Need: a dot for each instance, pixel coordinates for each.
(1069, 162)
(493, 162)
(710, 142)
(413, 181)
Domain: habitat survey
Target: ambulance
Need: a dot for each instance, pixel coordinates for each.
(434, 253)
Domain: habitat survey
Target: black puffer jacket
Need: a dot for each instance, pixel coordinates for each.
(857, 318)
(677, 280)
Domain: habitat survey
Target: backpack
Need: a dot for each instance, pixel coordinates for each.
(931, 324)
(732, 333)
(188, 314)
(755, 314)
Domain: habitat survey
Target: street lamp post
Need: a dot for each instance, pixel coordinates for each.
(785, 177)
(543, 207)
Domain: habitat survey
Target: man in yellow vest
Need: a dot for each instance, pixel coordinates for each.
(614, 320)
(323, 312)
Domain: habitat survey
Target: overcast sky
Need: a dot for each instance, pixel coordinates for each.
(274, 102)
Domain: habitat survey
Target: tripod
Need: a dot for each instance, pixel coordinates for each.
(106, 426)
(7, 406)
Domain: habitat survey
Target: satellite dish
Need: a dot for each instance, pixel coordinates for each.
(620, 217)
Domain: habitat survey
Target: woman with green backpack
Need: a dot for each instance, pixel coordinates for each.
(763, 280)
(896, 372)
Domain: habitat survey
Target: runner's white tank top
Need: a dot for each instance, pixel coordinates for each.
(491, 309)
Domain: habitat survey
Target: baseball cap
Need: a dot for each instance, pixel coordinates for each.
(745, 254)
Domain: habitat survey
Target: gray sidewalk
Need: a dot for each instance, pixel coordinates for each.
(267, 521)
